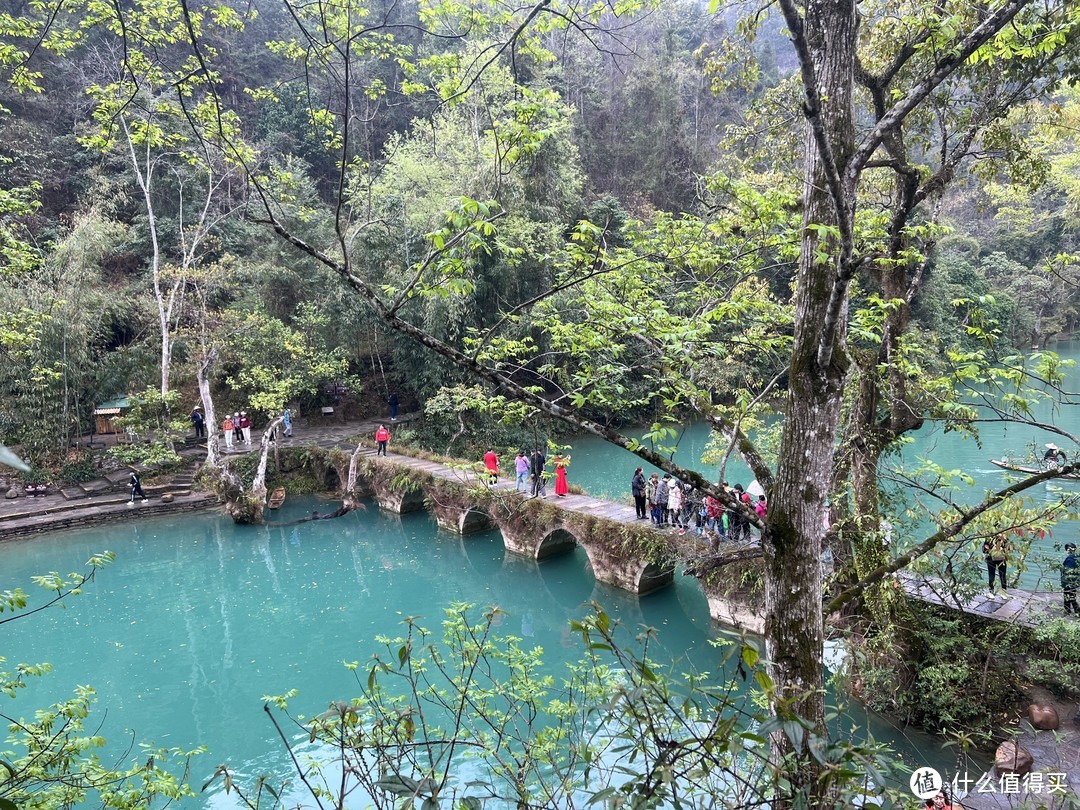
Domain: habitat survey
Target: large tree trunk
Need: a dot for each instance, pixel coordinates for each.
(792, 540)
(249, 506)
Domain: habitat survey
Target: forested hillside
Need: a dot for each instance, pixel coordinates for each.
(646, 125)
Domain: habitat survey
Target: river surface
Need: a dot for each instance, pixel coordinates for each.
(198, 619)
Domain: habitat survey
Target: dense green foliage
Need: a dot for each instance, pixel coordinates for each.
(605, 214)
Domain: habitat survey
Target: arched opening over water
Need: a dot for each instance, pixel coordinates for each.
(476, 519)
(558, 541)
(654, 577)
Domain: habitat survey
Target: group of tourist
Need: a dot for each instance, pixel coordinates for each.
(680, 505)
(530, 472)
(236, 427)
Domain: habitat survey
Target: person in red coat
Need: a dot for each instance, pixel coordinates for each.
(561, 487)
(491, 464)
(382, 436)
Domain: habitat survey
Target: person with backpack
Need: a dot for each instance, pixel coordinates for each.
(650, 496)
(715, 513)
(1070, 579)
(539, 482)
(996, 552)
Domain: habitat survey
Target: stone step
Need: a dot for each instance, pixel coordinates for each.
(106, 501)
(73, 492)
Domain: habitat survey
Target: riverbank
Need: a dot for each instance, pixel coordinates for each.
(67, 505)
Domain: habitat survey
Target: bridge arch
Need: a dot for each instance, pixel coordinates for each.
(474, 519)
(558, 540)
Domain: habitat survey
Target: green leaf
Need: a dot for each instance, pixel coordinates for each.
(750, 656)
(398, 785)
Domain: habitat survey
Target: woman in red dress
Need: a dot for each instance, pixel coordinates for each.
(561, 487)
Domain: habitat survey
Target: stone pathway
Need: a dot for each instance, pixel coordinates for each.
(106, 498)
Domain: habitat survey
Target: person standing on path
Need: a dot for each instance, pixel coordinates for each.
(637, 487)
(393, 400)
(136, 488)
(382, 437)
(286, 420)
(229, 429)
(660, 512)
(491, 464)
(199, 422)
(521, 467)
(561, 487)
(675, 502)
(539, 486)
(996, 551)
(245, 427)
(650, 495)
(238, 433)
(1070, 579)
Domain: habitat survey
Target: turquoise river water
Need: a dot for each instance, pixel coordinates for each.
(198, 619)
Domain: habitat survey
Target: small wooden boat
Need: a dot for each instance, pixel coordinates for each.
(1028, 468)
(277, 498)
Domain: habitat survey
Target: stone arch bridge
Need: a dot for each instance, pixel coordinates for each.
(622, 551)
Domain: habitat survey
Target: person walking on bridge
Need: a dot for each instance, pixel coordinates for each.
(637, 488)
(539, 486)
(662, 490)
(521, 467)
(382, 437)
(491, 464)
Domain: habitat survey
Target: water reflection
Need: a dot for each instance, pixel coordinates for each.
(199, 619)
